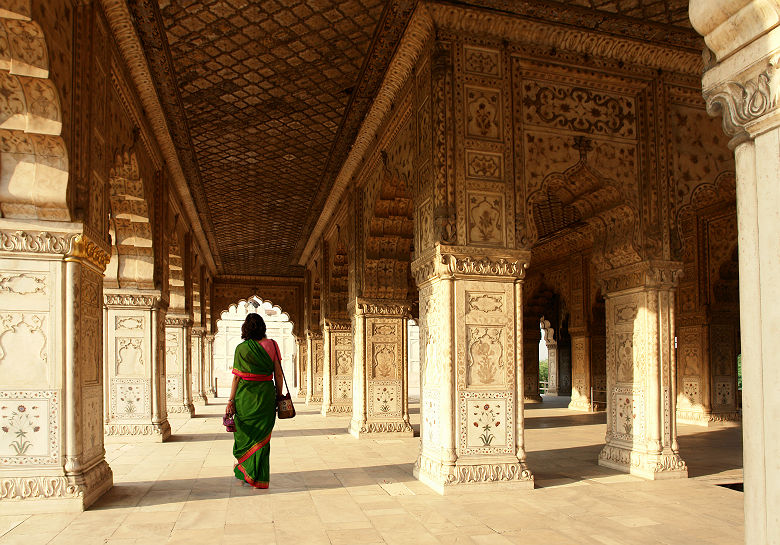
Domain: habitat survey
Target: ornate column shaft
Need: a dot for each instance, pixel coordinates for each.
(51, 387)
(314, 367)
(641, 371)
(337, 367)
(531, 366)
(743, 86)
(197, 359)
(580, 371)
(380, 402)
(552, 367)
(178, 366)
(471, 327)
(208, 365)
(303, 366)
(134, 366)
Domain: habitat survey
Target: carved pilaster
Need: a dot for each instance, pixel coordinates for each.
(198, 373)
(314, 367)
(337, 367)
(178, 366)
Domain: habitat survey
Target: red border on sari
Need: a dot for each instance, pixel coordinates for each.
(248, 454)
(252, 376)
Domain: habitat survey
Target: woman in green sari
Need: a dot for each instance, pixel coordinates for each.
(257, 385)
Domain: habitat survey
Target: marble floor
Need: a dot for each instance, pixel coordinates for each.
(328, 488)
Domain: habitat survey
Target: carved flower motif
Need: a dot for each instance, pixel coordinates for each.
(21, 408)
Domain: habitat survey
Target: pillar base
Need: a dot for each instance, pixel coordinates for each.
(54, 493)
(137, 433)
(377, 430)
(181, 410)
(701, 418)
(461, 477)
(211, 392)
(200, 400)
(337, 410)
(314, 400)
(648, 466)
(532, 399)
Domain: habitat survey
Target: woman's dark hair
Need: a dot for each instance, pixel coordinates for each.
(253, 327)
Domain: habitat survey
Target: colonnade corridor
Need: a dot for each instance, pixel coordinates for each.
(327, 488)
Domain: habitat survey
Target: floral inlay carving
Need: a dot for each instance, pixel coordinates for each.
(481, 61)
(482, 113)
(579, 109)
(486, 418)
(19, 426)
(625, 415)
(486, 219)
(384, 360)
(485, 364)
(484, 165)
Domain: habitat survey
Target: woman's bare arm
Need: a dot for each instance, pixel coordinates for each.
(278, 374)
(231, 408)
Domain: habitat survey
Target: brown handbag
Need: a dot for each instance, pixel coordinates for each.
(284, 404)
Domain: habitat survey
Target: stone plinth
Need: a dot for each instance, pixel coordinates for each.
(380, 404)
(641, 383)
(134, 367)
(471, 430)
(337, 368)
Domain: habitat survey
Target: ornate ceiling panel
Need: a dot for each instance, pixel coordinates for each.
(265, 97)
(264, 86)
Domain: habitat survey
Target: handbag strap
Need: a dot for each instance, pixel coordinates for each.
(279, 357)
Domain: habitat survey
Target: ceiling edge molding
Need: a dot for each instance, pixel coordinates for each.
(132, 52)
(413, 42)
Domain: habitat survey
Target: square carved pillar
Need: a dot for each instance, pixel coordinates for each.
(471, 323)
(641, 371)
(303, 366)
(134, 367)
(51, 385)
(196, 350)
(337, 368)
(581, 380)
(380, 403)
(208, 365)
(178, 366)
(314, 367)
(531, 340)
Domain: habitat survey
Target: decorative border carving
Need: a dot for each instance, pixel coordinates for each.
(163, 429)
(464, 261)
(132, 300)
(648, 274)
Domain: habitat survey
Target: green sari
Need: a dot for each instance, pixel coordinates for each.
(255, 404)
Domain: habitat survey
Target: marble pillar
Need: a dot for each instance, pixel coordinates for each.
(741, 84)
(337, 367)
(208, 366)
(134, 366)
(196, 358)
(303, 366)
(314, 367)
(471, 326)
(580, 371)
(380, 404)
(178, 365)
(51, 384)
(641, 371)
(552, 366)
(531, 340)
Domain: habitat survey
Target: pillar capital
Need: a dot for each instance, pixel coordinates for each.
(466, 261)
(380, 307)
(132, 298)
(643, 275)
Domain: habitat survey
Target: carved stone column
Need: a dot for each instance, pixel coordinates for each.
(134, 367)
(380, 402)
(531, 340)
(641, 371)
(198, 385)
(314, 367)
(581, 380)
(471, 324)
(208, 364)
(742, 83)
(337, 367)
(178, 366)
(552, 363)
(51, 386)
(303, 366)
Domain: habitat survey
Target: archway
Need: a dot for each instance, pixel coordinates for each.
(228, 337)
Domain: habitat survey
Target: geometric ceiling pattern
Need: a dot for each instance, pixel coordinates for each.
(264, 99)
(264, 86)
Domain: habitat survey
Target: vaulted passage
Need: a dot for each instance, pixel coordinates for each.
(415, 194)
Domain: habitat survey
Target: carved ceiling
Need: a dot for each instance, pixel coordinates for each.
(265, 97)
